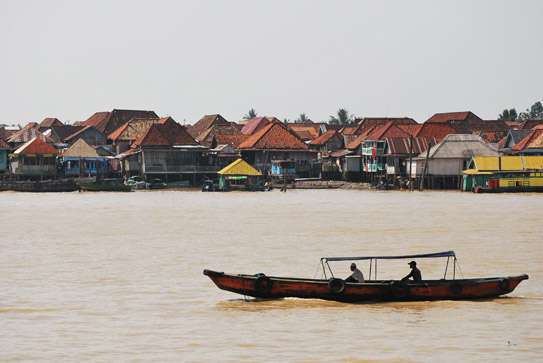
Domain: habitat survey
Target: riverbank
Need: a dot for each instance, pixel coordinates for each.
(329, 184)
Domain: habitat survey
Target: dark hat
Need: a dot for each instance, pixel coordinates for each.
(412, 263)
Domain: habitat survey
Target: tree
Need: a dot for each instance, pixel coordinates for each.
(536, 111)
(302, 119)
(251, 114)
(342, 118)
(508, 115)
(286, 121)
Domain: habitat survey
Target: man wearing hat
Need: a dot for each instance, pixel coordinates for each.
(414, 274)
(356, 276)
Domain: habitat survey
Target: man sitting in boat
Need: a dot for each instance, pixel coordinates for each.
(414, 274)
(356, 276)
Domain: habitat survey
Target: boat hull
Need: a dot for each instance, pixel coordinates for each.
(270, 287)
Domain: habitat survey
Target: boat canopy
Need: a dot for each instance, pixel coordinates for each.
(425, 255)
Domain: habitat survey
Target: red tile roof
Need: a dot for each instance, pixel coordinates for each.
(234, 140)
(98, 120)
(207, 135)
(379, 121)
(324, 138)
(107, 122)
(387, 130)
(255, 124)
(50, 121)
(117, 133)
(434, 129)
(165, 135)
(305, 135)
(75, 135)
(452, 116)
(411, 129)
(532, 140)
(274, 136)
(305, 131)
(205, 123)
(137, 126)
(492, 136)
(36, 146)
(355, 143)
(351, 130)
(530, 124)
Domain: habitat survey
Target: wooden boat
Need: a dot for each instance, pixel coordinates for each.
(105, 185)
(332, 288)
(40, 186)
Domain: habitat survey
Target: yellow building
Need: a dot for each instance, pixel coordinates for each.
(504, 173)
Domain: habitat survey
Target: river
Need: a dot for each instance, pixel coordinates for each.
(118, 276)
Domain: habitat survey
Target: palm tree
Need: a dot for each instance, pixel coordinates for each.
(251, 114)
(508, 115)
(302, 119)
(342, 118)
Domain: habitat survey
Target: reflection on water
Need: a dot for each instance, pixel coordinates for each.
(118, 277)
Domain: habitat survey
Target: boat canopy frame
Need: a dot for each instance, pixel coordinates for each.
(373, 261)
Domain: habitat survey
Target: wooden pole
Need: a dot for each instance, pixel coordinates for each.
(421, 186)
(410, 162)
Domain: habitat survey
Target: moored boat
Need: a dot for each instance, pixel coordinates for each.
(105, 185)
(332, 288)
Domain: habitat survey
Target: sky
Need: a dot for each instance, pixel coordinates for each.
(69, 59)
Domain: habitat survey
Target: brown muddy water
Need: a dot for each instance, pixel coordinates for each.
(118, 277)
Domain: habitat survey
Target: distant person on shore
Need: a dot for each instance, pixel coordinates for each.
(356, 275)
(414, 274)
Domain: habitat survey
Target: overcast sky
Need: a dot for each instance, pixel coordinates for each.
(68, 59)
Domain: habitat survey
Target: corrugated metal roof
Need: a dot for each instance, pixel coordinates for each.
(402, 146)
(461, 146)
(239, 167)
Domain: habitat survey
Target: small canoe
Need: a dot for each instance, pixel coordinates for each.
(332, 288)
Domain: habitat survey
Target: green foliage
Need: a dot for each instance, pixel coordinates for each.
(302, 119)
(251, 114)
(342, 118)
(535, 112)
(508, 115)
